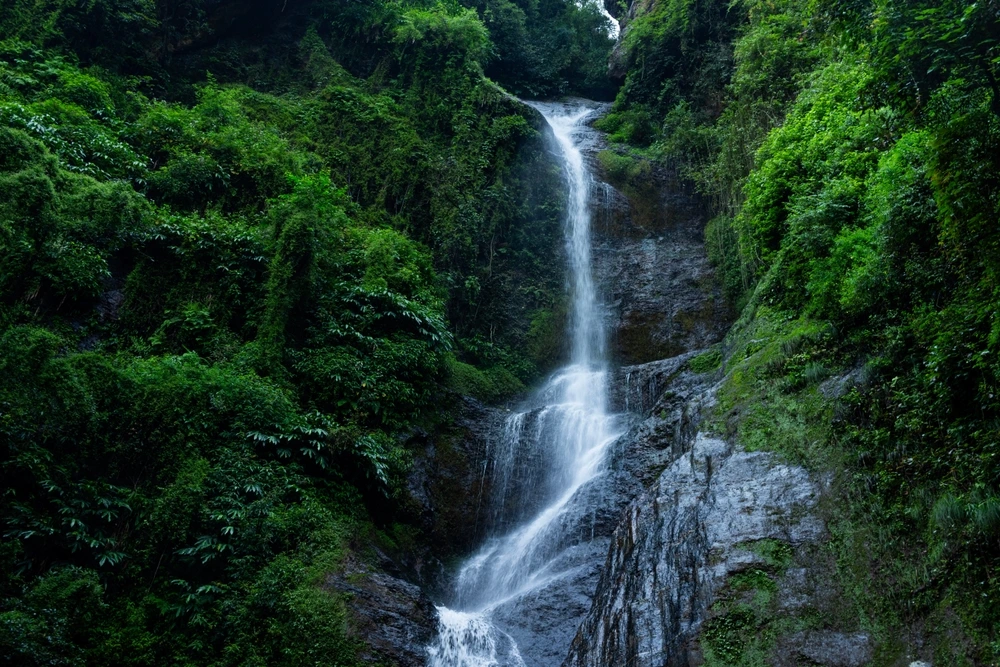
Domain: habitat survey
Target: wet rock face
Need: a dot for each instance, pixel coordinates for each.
(651, 265)
(663, 407)
(393, 617)
(543, 622)
(446, 484)
(676, 548)
(638, 389)
(665, 399)
(824, 647)
(663, 299)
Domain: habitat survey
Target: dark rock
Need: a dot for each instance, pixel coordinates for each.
(664, 400)
(651, 265)
(661, 294)
(544, 621)
(109, 304)
(637, 389)
(446, 484)
(823, 647)
(394, 618)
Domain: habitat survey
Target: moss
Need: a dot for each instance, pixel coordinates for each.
(746, 622)
(727, 638)
(546, 341)
(623, 169)
(706, 362)
(490, 385)
(776, 553)
(761, 402)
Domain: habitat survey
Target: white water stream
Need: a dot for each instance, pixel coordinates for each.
(566, 429)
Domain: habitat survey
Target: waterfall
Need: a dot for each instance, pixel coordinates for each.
(552, 451)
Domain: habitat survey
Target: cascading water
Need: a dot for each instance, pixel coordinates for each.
(554, 451)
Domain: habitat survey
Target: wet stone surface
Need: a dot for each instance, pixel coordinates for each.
(677, 546)
(665, 405)
(446, 483)
(824, 647)
(654, 273)
(395, 618)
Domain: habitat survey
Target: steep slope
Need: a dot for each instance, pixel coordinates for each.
(848, 153)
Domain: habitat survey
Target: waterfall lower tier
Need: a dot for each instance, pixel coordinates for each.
(520, 598)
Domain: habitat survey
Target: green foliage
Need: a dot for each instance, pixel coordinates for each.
(58, 230)
(214, 153)
(634, 126)
(460, 38)
(722, 246)
(782, 199)
(491, 385)
(776, 554)
(623, 169)
(228, 299)
(706, 362)
(54, 619)
(544, 48)
(727, 637)
(210, 498)
(662, 69)
(926, 45)
(849, 151)
(101, 30)
(872, 248)
(546, 337)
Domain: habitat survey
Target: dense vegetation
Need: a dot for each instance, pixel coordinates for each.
(851, 154)
(245, 250)
(248, 248)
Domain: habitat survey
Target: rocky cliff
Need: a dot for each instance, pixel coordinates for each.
(719, 554)
(696, 544)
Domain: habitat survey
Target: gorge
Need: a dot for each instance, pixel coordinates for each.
(554, 333)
